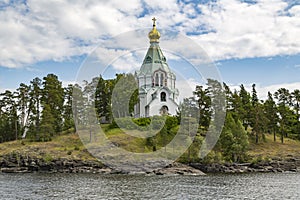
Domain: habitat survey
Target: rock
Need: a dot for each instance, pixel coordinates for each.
(179, 169)
(15, 170)
(104, 171)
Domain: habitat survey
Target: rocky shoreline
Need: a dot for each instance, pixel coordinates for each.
(25, 164)
(291, 164)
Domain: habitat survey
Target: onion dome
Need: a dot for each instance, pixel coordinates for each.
(154, 35)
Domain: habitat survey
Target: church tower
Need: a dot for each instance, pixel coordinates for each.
(157, 89)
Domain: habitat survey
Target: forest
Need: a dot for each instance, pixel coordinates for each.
(44, 109)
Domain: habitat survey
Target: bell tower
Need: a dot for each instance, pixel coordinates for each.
(158, 94)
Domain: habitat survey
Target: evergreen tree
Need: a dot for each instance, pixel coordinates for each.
(68, 121)
(285, 114)
(124, 95)
(9, 118)
(78, 105)
(257, 118)
(233, 139)
(204, 106)
(47, 128)
(35, 94)
(244, 111)
(53, 96)
(272, 119)
(296, 105)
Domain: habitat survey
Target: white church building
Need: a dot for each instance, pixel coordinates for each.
(157, 83)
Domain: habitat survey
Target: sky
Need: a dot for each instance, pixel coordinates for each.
(249, 41)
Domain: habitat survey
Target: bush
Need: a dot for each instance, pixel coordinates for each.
(142, 121)
(48, 158)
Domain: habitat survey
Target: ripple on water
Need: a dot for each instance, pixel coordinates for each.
(96, 186)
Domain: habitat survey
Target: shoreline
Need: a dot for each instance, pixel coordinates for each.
(25, 164)
(276, 165)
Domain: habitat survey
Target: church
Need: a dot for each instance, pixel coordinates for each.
(157, 83)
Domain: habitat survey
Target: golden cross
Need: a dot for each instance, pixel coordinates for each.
(154, 20)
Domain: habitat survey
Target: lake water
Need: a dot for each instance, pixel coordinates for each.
(96, 186)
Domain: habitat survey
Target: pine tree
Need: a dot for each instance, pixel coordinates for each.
(68, 121)
(244, 111)
(53, 96)
(296, 105)
(257, 118)
(204, 106)
(233, 139)
(284, 101)
(35, 95)
(272, 119)
(47, 130)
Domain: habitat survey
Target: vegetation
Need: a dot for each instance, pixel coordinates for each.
(42, 112)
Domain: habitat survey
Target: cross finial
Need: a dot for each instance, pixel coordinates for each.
(154, 21)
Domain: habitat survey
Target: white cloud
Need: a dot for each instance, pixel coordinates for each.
(262, 91)
(66, 83)
(242, 30)
(57, 30)
(43, 30)
(295, 10)
(186, 88)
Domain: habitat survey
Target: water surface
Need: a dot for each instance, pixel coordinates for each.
(96, 186)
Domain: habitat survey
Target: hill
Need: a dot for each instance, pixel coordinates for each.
(70, 147)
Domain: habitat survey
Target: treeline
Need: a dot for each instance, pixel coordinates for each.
(278, 114)
(247, 119)
(42, 109)
(37, 111)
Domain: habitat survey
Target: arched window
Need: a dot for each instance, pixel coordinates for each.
(164, 110)
(163, 96)
(156, 80)
(161, 79)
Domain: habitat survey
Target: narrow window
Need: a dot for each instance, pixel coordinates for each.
(163, 96)
(156, 80)
(161, 79)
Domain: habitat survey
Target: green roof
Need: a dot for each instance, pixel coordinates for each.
(153, 61)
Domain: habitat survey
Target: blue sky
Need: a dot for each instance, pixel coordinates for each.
(249, 41)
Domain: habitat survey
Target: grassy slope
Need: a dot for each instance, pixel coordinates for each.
(65, 146)
(69, 146)
(271, 149)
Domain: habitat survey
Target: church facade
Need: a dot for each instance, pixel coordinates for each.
(158, 94)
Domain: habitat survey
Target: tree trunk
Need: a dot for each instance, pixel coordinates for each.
(16, 129)
(256, 138)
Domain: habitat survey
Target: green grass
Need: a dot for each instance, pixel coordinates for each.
(128, 142)
(59, 147)
(271, 149)
(70, 146)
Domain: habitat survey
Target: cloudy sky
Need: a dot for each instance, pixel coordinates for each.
(250, 41)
